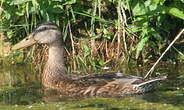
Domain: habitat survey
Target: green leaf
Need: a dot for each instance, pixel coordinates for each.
(158, 1)
(100, 61)
(56, 10)
(134, 28)
(175, 12)
(141, 45)
(66, 2)
(20, 12)
(7, 15)
(18, 2)
(87, 50)
(107, 33)
(139, 9)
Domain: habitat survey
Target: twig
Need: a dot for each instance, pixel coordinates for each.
(152, 68)
(72, 42)
(120, 20)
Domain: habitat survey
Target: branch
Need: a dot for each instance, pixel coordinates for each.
(152, 68)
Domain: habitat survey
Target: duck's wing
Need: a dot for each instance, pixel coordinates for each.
(110, 75)
(113, 83)
(104, 78)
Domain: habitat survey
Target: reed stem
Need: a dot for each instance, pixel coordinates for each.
(152, 68)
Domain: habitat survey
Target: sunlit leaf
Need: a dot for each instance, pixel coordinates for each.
(66, 2)
(141, 45)
(20, 12)
(139, 9)
(181, 76)
(107, 33)
(18, 2)
(100, 61)
(87, 50)
(158, 1)
(134, 28)
(7, 15)
(175, 12)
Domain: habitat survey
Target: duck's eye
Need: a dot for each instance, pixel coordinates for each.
(27, 38)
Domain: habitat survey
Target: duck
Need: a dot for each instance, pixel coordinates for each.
(55, 75)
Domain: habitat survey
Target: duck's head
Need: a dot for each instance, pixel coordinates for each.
(46, 33)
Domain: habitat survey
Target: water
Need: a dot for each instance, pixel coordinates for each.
(20, 89)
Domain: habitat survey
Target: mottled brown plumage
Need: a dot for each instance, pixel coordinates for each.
(101, 84)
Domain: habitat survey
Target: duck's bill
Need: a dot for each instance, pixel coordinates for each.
(26, 42)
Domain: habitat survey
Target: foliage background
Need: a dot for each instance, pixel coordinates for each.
(98, 33)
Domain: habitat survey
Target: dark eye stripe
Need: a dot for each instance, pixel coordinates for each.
(45, 26)
(43, 29)
(47, 23)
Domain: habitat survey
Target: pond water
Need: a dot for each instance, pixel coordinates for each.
(20, 89)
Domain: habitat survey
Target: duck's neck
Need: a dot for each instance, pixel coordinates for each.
(56, 58)
(55, 70)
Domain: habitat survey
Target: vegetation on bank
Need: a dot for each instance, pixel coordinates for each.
(98, 33)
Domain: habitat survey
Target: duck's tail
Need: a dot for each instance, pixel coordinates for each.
(148, 85)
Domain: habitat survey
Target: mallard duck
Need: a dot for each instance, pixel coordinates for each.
(56, 77)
